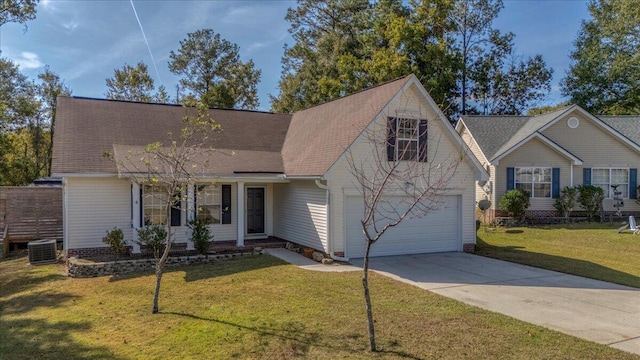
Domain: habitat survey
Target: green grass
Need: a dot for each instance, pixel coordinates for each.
(591, 250)
(255, 308)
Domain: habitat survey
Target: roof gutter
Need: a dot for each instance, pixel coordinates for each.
(328, 220)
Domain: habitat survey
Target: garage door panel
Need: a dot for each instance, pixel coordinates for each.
(437, 232)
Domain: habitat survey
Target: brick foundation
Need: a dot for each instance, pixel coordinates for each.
(469, 248)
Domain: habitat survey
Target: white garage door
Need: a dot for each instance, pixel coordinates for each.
(437, 232)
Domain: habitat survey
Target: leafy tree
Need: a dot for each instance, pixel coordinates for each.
(169, 166)
(506, 84)
(515, 202)
(430, 48)
(134, 84)
(19, 108)
(19, 11)
(604, 75)
(397, 190)
(344, 46)
(314, 70)
(547, 108)
(472, 20)
(49, 88)
(212, 71)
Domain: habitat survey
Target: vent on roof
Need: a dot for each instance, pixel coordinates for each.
(42, 251)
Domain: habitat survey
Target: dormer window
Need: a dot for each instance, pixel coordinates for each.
(407, 139)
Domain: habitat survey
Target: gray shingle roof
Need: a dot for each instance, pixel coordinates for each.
(496, 134)
(86, 128)
(493, 132)
(627, 125)
(318, 136)
(305, 144)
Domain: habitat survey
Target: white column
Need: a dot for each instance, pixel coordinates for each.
(191, 212)
(135, 217)
(241, 214)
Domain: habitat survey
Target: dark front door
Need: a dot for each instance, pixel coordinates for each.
(255, 210)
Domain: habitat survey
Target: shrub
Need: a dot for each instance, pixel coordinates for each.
(154, 237)
(515, 202)
(567, 201)
(590, 198)
(200, 234)
(115, 240)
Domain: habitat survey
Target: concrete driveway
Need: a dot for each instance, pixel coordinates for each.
(589, 309)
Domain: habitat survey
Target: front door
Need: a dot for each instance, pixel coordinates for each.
(255, 210)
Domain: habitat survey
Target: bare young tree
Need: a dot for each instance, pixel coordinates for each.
(401, 175)
(167, 168)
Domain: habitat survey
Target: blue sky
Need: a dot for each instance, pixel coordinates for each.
(84, 41)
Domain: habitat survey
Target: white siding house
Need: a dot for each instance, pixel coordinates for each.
(282, 175)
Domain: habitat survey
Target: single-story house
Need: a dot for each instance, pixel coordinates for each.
(546, 153)
(281, 175)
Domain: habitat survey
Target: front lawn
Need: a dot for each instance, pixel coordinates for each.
(254, 308)
(591, 250)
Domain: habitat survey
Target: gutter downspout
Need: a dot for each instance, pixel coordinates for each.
(65, 220)
(329, 243)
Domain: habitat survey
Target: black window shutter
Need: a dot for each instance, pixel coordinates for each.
(586, 176)
(422, 141)
(510, 178)
(176, 212)
(391, 139)
(633, 183)
(226, 204)
(555, 183)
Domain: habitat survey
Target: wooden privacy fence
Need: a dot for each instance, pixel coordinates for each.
(29, 213)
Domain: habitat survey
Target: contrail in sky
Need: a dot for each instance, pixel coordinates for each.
(146, 42)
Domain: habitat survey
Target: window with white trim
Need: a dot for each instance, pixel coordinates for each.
(536, 180)
(209, 203)
(604, 178)
(407, 139)
(154, 202)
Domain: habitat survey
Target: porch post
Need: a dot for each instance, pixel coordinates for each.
(241, 214)
(190, 212)
(135, 217)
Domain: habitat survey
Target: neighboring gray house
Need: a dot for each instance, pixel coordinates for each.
(546, 153)
(283, 175)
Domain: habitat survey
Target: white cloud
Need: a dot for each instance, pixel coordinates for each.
(28, 60)
(70, 25)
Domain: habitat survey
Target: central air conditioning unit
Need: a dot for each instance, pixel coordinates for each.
(42, 252)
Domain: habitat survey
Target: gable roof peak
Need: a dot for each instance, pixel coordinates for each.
(319, 135)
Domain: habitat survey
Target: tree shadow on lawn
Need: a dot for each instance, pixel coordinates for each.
(296, 333)
(214, 269)
(562, 264)
(42, 339)
(23, 337)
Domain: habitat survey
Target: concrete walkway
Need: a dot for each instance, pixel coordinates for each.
(594, 310)
(305, 263)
